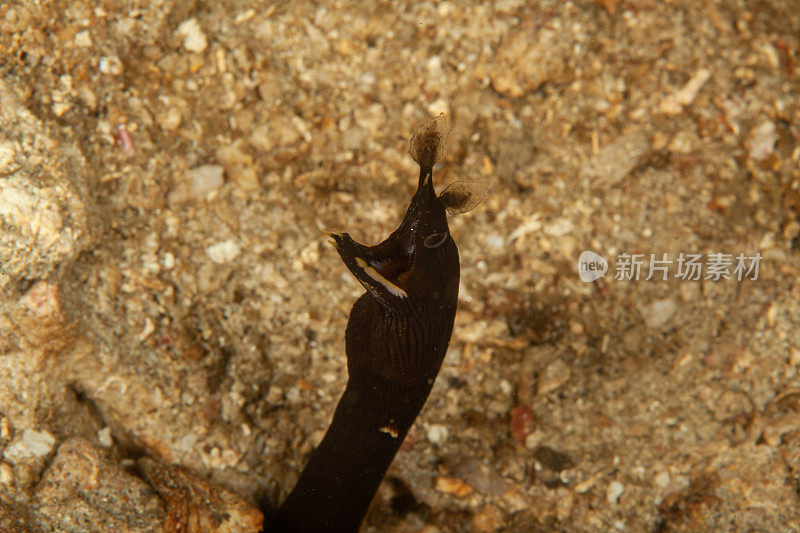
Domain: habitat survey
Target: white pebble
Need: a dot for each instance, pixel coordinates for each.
(171, 119)
(6, 474)
(761, 143)
(111, 65)
(293, 395)
(168, 260)
(673, 104)
(223, 252)
(434, 65)
(59, 108)
(83, 39)
(437, 434)
(104, 437)
(194, 40)
(615, 490)
(148, 329)
(188, 441)
(205, 179)
(7, 155)
(493, 240)
(440, 105)
(559, 227)
(554, 376)
(659, 313)
(33, 444)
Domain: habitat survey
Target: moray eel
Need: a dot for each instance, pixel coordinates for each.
(395, 341)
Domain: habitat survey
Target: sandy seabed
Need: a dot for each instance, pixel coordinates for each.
(171, 323)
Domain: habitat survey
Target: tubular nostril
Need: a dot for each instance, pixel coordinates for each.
(427, 143)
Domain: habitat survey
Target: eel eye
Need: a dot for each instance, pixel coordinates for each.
(435, 240)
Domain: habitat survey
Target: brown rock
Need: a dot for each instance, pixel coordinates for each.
(239, 166)
(744, 487)
(483, 478)
(193, 506)
(488, 519)
(618, 158)
(13, 518)
(82, 491)
(530, 56)
(42, 210)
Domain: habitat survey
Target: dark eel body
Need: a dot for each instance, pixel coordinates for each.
(396, 340)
